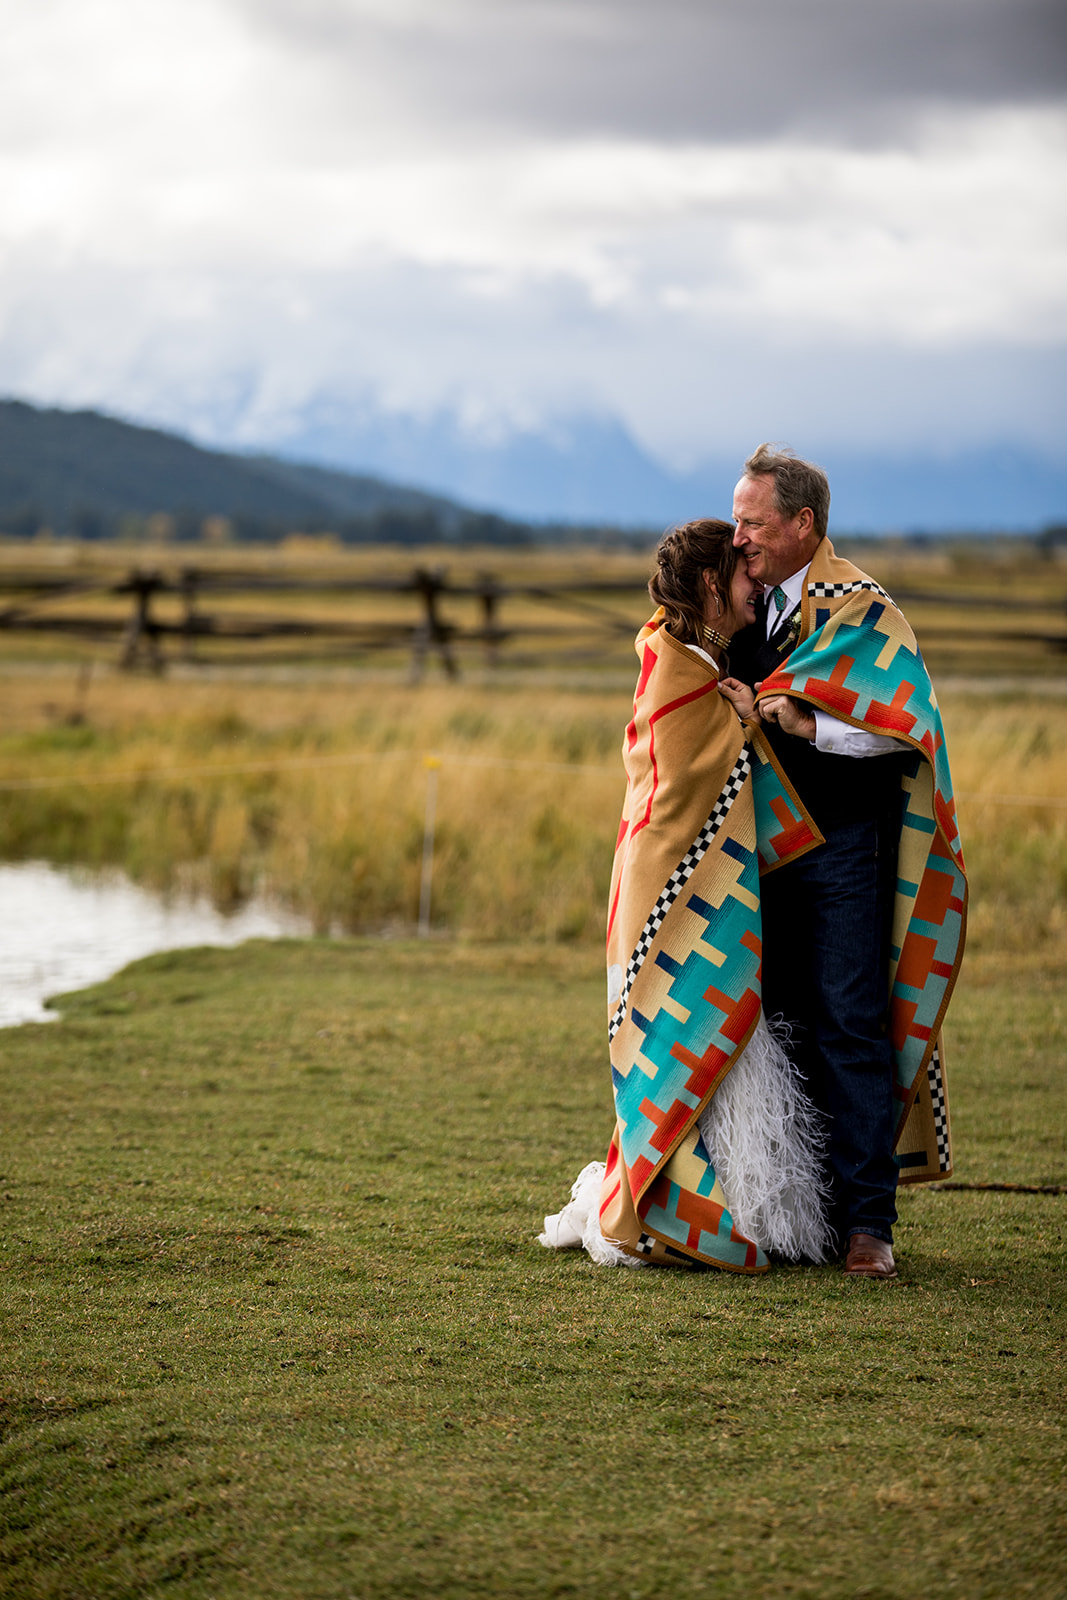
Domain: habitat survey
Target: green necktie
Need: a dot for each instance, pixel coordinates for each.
(779, 597)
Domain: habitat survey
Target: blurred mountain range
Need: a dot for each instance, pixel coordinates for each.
(394, 478)
(93, 476)
(591, 470)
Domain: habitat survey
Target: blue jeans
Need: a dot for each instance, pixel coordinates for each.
(826, 925)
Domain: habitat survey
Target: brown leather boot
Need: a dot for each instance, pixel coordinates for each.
(869, 1257)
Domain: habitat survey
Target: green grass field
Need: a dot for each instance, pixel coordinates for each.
(276, 1323)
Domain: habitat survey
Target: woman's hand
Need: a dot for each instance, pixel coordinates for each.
(792, 716)
(739, 695)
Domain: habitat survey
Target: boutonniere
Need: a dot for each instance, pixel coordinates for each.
(792, 635)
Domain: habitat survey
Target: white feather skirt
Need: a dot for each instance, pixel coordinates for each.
(765, 1140)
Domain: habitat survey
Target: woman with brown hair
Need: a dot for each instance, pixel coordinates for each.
(703, 588)
(715, 1157)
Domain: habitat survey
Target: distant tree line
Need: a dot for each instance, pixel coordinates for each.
(386, 525)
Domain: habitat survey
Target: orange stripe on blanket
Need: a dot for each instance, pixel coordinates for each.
(701, 1214)
(657, 716)
(901, 1017)
(614, 906)
(832, 690)
(750, 1249)
(893, 718)
(916, 959)
(740, 1018)
(713, 1057)
(669, 1124)
(903, 1026)
(741, 1013)
(649, 657)
(794, 831)
(935, 897)
(640, 1173)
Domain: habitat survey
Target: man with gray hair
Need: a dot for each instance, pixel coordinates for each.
(858, 961)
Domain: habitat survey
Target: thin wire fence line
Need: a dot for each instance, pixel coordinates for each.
(297, 763)
(1015, 799)
(358, 757)
(1011, 1188)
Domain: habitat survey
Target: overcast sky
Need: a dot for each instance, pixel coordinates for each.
(833, 221)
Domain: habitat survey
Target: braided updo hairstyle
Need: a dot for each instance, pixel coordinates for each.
(683, 556)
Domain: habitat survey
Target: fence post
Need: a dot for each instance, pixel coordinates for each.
(190, 578)
(489, 594)
(431, 632)
(141, 629)
(433, 766)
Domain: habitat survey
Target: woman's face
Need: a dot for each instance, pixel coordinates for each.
(740, 607)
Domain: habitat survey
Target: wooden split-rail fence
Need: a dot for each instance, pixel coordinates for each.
(143, 632)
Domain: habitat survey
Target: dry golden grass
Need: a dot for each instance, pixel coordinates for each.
(1008, 747)
(522, 848)
(327, 808)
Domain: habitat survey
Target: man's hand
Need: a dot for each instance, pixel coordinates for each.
(792, 716)
(739, 695)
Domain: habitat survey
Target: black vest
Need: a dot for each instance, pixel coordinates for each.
(836, 789)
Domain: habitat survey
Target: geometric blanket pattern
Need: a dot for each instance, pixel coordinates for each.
(707, 811)
(857, 658)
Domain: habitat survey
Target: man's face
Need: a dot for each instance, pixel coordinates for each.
(773, 546)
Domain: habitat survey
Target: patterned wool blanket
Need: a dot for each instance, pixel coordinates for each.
(856, 658)
(707, 811)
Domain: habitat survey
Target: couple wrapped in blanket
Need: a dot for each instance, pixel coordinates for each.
(717, 1157)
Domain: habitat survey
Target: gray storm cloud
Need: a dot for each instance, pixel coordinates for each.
(702, 220)
(689, 69)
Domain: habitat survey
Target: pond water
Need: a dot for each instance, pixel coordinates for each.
(64, 930)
